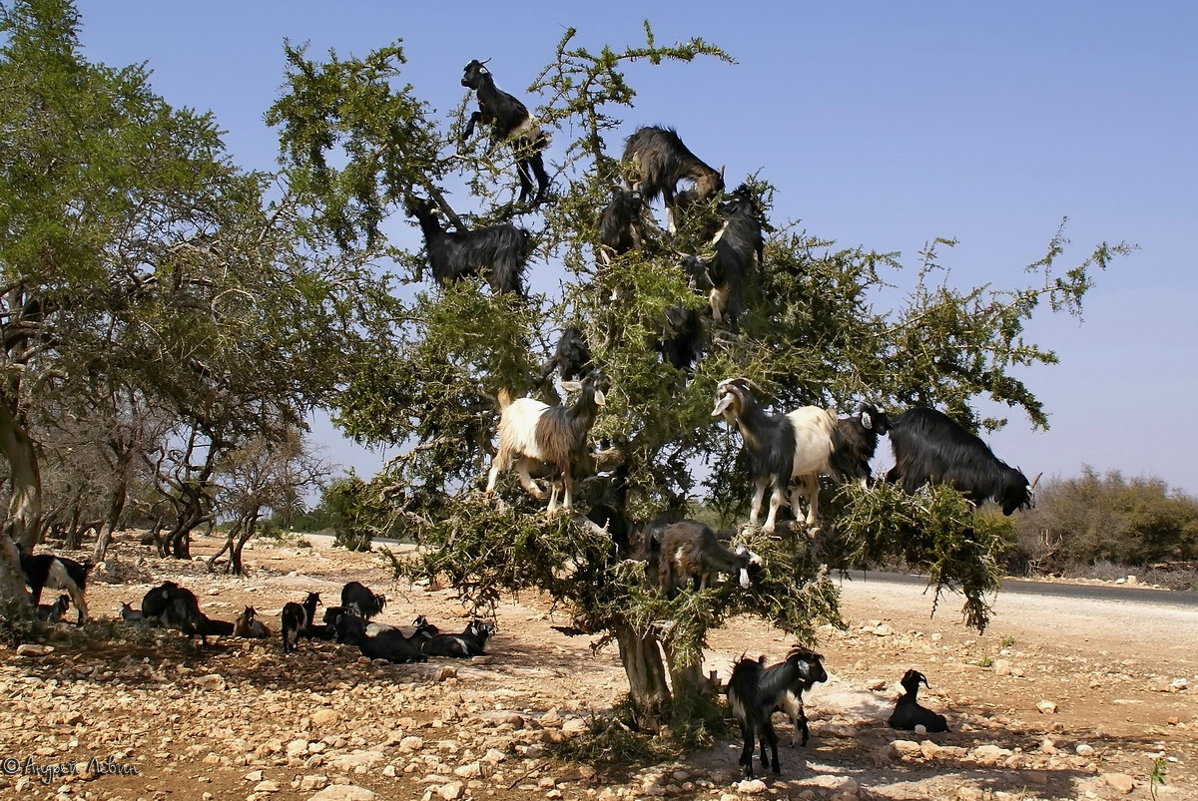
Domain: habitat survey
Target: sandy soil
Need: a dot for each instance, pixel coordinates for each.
(241, 720)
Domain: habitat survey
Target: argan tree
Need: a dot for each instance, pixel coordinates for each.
(815, 332)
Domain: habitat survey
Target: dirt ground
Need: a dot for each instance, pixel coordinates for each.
(1059, 699)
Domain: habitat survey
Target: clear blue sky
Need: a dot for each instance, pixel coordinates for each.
(882, 124)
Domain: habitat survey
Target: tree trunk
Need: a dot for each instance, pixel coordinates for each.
(686, 679)
(235, 565)
(25, 504)
(647, 687)
(13, 597)
(116, 505)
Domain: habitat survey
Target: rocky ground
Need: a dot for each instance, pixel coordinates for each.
(1052, 702)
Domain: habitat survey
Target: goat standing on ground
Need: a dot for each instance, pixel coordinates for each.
(739, 249)
(58, 573)
(908, 713)
(754, 691)
(510, 122)
(690, 550)
(856, 443)
(357, 598)
(781, 448)
(659, 160)
(930, 448)
(296, 619)
(499, 252)
(531, 431)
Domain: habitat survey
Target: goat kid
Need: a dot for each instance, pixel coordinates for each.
(531, 431)
(739, 249)
(931, 448)
(691, 551)
(620, 225)
(857, 442)
(572, 355)
(44, 570)
(510, 122)
(659, 160)
(908, 713)
(248, 626)
(498, 252)
(52, 613)
(781, 448)
(754, 692)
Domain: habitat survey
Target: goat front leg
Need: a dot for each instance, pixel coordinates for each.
(475, 118)
(522, 467)
(746, 752)
(755, 501)
(811, 490)
(777, 501)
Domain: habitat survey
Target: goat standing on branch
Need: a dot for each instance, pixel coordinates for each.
(930, 448)
(781, 448)
(531, 431)
(498, 252)
(856, 443)
(659, 160)
(690, 550)
(510, 122)
(739, 249)
(620, 225)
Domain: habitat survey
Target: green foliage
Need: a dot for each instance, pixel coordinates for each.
(1093, 518)
(358, 513)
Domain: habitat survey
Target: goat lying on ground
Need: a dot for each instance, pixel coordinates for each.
(44, 570)
(908, 713)
(931, 448)
(531, 431)
(755, 691)
(510, 122)
(247, 625)
(131, 615)
(471, 642)
(659, 160)
(390, 644)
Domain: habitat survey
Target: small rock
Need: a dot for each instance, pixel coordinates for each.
(905, 748)
(33, 649)
(1119, 782)
(1001, 667)
(750, 787)
(411, 743)
(344, 792)
(1084, 749)
(920, 728)
(471, 770)
(446, 672)
(266, 787)
(1047, 707)
(451, 791)
(253, 776)
(574, 726)
(325, 717)
(875, 684)
(1178, 684)
(313, 782)
(213, 682)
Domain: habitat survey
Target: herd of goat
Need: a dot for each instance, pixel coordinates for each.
(786, 452)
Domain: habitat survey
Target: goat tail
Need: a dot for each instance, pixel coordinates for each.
(505, 398)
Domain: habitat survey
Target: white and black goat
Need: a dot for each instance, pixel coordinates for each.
(810, 670)
(44, 570)
(908, 713)
(471, 642)
(755, 691)
(52, 613)
(781, 448)
(691, 553)
(359, 599)
(531, 431)
(389, 644)
(857, 442)
(572, 355)
(510, 122)
(931, 448)
(739, 249)
(498, 252)
(296, 619)
(659, 160)
(620, 224)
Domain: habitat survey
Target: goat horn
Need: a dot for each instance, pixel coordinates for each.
(1036, 480)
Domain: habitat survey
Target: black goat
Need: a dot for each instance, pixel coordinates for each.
(156, 601)
(780, 448)
(930, 448)
(791, 699)
(296, 620)
(531, 431)
(908, 713)
(357, 598)
(691, 551)
(390, 644)
(52, 613)
(572, 355)
(58, 573)
(510, 122)
(610, 512)
(739, 248)
(659, 160)
(620, 224)
(499, 252)
(857, 441)
(471, 642)
(178, 607)
(754, 692)
(682, 344)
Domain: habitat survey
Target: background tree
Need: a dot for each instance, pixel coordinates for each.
(811, 335)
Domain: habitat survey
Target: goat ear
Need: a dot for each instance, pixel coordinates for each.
(571, 386)
(600, 398)
(722, 404)
(866, 420)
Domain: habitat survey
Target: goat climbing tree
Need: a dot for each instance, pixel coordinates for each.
(811, 334)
